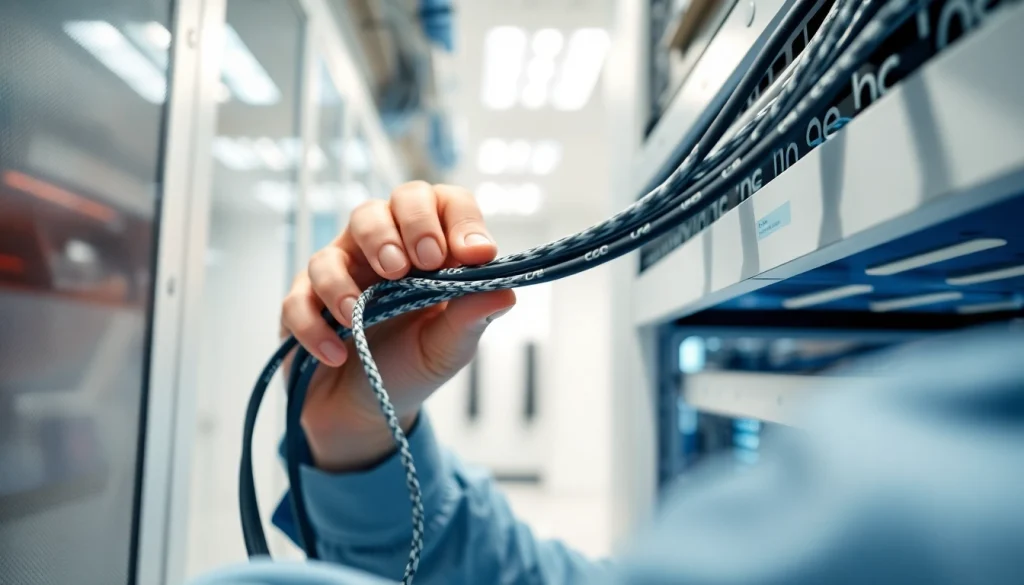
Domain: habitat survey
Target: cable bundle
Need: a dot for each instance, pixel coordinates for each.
(851, 31)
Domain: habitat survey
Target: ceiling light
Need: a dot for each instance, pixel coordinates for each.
(534, 96)
(324, 197)
(528, 199)
(547, 42)
(581, 68)
(491, 156)
(935, 256)
(272, 155)
(243, 73)
(540, 70)
(504, 48)
(279, 196)
(522, 200)
(236, 155)
(153, 38)
(987, 276)
(915, 301)
(354, 193)
(518, 157)
(546, 156)
(489, 198)
(355, 154)
(996, 307)
(827, 296)
(316, 160)
(158, 35)
(116, 53)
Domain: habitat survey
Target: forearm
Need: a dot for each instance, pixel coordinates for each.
(363, 520)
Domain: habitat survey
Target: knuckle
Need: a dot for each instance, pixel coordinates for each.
(318, 260)
(437, 362)
(465, 223)
(411, 195)
(422, 218)
(365, 210)
(290, 307)
(411, 189)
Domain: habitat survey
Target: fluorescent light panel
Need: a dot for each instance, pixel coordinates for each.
(104, 42)
(522, 200)
(581, 68)
(249, 154)
(242, 72)
(153, 39)
(987, 276)
(827, 296)
(915, 301)
(976, 309)
(546, 156)
(936, 256)
(536, 74)
(504, 49)
(496, 156)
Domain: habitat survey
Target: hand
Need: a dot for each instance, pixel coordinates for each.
(429, 227)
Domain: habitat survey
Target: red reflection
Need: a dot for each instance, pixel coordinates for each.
(10, 263)
(56, 195)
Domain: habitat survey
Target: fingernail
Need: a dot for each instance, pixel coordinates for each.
(429, 252)
(391, 258)
(333, 352)
(491, 318)
(346, 306)
(477, 240)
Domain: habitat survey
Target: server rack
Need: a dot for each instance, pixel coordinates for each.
(933, 163)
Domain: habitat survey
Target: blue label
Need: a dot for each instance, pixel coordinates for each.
(773, 222)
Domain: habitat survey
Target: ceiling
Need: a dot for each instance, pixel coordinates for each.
(574, 190)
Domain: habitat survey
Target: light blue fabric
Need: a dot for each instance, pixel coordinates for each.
(914, 476)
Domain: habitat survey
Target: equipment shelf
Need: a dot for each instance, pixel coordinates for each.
(937, 161)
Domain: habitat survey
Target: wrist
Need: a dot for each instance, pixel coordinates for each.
(344, 450)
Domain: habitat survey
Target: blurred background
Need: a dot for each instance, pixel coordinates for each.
(168, 166)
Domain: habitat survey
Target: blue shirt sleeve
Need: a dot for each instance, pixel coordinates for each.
(363, 521)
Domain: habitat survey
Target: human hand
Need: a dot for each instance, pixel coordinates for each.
(422, 226)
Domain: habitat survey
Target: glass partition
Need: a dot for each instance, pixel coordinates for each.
(250, 261)
(326, 191)
(83, 87)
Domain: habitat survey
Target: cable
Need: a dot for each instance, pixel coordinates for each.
(817, 77)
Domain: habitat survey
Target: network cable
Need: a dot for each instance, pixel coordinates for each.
(846, 38)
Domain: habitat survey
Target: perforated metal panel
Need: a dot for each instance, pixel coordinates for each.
(82, 104)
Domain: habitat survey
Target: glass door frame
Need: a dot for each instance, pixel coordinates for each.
(184, 229)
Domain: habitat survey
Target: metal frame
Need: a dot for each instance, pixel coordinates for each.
(204, 115)
(767, 397)
(158, 449)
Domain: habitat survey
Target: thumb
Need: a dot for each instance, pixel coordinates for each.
(450, 339)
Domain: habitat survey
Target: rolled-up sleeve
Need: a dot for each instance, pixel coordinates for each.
(363, 521)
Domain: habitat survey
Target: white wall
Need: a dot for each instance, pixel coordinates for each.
(245, 283)
(569, 444)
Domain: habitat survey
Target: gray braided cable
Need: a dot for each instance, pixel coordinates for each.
(377, 385)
